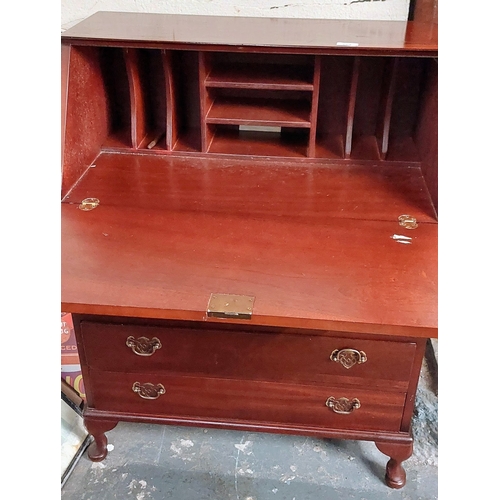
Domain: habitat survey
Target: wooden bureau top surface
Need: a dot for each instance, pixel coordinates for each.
(135, 255)
(225, 31)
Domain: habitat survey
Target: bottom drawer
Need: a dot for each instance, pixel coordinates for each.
(226, 400)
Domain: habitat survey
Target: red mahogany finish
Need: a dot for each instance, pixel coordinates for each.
(264, 158)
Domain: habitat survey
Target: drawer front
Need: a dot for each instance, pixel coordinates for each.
(227, 400)
(279, 357)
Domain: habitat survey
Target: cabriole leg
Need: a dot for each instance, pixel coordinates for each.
(395, 475)
(97, 451)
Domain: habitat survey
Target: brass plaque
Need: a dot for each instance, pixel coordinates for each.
(223, 305)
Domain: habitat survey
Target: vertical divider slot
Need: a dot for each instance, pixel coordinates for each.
(115, 78)
(351, 108)
(406, 106)
(311, 149)
(206, 101)
(137, 98)
(388, 90)
(146, 78)
(172, 113)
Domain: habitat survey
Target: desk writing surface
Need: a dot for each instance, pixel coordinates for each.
(257, 187)
(345, 274)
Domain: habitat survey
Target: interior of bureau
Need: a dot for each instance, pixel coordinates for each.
(291, 106)
(299, 107)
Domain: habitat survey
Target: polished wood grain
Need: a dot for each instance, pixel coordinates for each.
(394, 37)
(246, 401)
(85, 103)
(347, 274)
(257, 188)
(239, 354)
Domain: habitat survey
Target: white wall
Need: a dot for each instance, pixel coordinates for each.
(73, 11)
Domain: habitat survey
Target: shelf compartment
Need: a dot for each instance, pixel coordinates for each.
(365, 147)
(330, 148)
(406, 106)
(333, 107)
(352, 106)
(146, 78)
(118, 107)
(403, 149)
(255, 111)
(290, 143)
(264, 76)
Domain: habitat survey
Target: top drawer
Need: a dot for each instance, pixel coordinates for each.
(249, 355)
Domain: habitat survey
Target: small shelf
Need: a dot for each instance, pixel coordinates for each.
(254, 111)
(264, 77)
(234, 142)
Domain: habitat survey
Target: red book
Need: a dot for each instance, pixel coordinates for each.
(71, 372)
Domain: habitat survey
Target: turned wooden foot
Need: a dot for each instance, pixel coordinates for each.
(98, 450)
(395, 475)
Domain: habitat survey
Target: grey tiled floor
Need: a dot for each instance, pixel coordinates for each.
(185, 463)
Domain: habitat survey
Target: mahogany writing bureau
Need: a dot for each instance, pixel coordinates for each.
(249, 230)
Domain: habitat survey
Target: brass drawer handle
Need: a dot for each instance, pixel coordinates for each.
(148, 391)
(343, 406)
(143, 346)
(348, 357)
